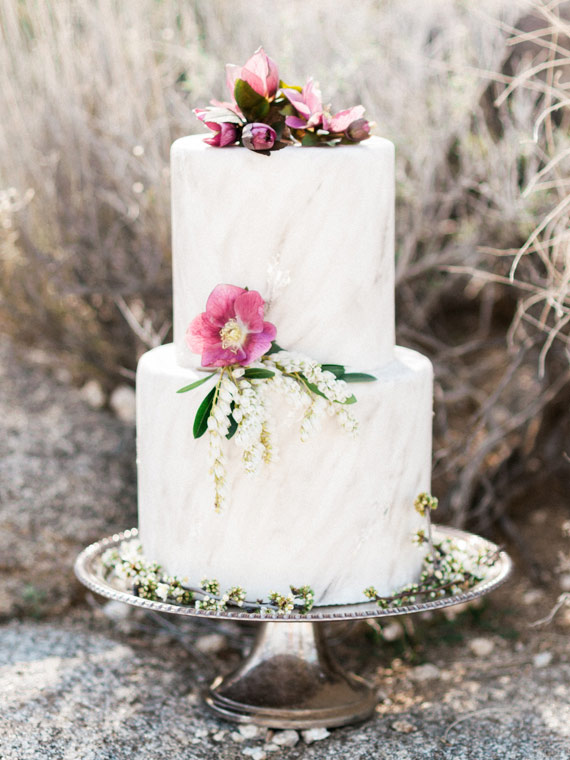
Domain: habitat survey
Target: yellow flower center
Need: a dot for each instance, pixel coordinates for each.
(233, 335)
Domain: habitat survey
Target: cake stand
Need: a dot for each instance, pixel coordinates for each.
(290, 679)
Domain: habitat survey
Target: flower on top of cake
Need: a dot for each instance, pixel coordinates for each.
(266, 114)
(236, 342)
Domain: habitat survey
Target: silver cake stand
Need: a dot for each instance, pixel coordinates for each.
(290, 679)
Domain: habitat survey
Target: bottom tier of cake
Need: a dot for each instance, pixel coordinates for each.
(334, 512)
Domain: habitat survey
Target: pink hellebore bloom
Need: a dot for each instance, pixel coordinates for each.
(231, 330)
(224, 134)
(260, 72)
(309, 106)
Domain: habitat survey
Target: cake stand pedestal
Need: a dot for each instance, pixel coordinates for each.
(290, 679)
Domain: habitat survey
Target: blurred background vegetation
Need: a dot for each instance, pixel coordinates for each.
(476, 97)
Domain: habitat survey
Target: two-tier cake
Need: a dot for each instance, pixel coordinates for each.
(312, 230)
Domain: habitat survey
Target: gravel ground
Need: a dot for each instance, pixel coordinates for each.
(84, 680)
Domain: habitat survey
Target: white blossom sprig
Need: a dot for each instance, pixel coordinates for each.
(238, 406)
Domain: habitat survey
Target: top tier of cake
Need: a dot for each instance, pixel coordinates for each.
(312, 229)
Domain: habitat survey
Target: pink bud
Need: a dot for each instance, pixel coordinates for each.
(258, 136)
(225, 134)
(358, 130)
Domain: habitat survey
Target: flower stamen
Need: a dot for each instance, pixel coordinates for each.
(233, 335)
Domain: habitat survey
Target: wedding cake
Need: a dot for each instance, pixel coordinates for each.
(307, 235)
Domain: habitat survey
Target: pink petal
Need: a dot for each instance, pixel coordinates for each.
(312, 96)
(317, 120)
(222, 357)
(220, 303)
(343, 119)
(295, 122)
(201, 333)
(272, 77)
(256, 70)
(249, 308)
(258, 344)
(228, 134)
(233, 72)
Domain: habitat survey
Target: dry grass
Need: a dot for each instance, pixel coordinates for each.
(93, 93)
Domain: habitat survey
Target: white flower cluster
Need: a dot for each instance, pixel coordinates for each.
(218, 426)
(330, 398)
(252, 416)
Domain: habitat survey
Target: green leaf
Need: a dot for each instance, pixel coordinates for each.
(246, 97)
(351, 400)
(358, 377)
(311, 386)
(275, 348)
(310, 139)
(233, 424)
(195, 385)
(336, 369)
(259, 112)
(201, 418)
(256, 373)
(284, 86)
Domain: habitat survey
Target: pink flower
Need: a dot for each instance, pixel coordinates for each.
(312, 114)
(260, 72)
(231, 330)
(258, 136)
(225, 133)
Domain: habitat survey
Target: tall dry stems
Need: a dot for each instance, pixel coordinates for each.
(93, 93)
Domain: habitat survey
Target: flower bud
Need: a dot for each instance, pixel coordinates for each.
(224, 134)
(358, 130)
(258, 136)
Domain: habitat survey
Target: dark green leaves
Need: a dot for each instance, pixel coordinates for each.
(275, 347)
(201, 418)
(254, 107)
(349, 377)
(195, 384)
(336, 369)
(256, 373)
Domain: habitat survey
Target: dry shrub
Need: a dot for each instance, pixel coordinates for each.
(93, 93)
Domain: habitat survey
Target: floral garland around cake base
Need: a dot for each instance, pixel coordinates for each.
(447, 570)
(236, 342)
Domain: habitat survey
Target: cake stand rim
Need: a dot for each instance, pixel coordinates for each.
(86, 574)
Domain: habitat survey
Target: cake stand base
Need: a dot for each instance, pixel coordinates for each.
(290, 680)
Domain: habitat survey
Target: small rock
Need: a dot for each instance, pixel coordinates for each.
(92, 392)
(427, 672)
(271, 747)
(314, 735)
(63, 376)
(565, 582)
(235, 736)
(404, 727)
(192, 698)
(211, 643)
(249, 731)
(123, 403)
(392, 631)
(532, 596)
(542, 659)
(286, 738)
(481, 647)
(256, 753)
(219, 736)
(117, 611)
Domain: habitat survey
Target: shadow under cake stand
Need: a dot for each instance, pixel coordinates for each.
(290, 679)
